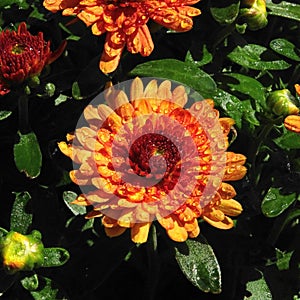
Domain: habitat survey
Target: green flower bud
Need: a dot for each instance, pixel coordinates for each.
(50, 89)
(21, 252)
(254, 13)
(282, 103)
(34, 81)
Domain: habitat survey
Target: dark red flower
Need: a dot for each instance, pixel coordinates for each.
(23, 55)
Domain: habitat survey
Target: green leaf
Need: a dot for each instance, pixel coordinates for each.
(70, 196)
(3, 232)
(30, 283)
(4, 114)
(21, 218)
(248, 86)
(27, 155)
(249, 56)
(54, 257)
(249, 113)
(285, 48)
(283, 259)
(46, 290)
(71, 36)
(284, 9)
(21, 3)
(60, 99)
(183, 72)
(36, 14)
(288, 140)
(76, 93)
(226, 14)
(206, 58)
(259, 290)
(199, 264)
(235, 108)
(274, 203)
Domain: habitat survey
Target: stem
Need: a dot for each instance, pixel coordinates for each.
(260, 139)
(154, 265)
(23, 114)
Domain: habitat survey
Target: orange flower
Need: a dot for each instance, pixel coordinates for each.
(147, 158)
(22, 56)
(125, 22)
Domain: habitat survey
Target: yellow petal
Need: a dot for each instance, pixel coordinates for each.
(230, 207)
(139, 232)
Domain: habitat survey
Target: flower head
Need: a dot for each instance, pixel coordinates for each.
(23, 56)
(21, 252)
(147, 158)
(125, 21)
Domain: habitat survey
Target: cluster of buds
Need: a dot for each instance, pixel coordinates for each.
(21, 252)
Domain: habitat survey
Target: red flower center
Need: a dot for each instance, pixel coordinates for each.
(156, 156)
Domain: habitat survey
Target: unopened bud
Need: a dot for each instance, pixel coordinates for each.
(282, 103)
(21, 252)
(254, 13)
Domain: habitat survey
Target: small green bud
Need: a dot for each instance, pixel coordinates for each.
(21, 252)
(34, 81)
(282, 103)
(50, 89)
(254, 13)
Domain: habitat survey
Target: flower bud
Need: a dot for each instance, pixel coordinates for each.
(21, 252)
(282, 103)
(254, 13)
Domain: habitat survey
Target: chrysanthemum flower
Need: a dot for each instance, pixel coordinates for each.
(147, 158)
(22, 56)
(125, 22)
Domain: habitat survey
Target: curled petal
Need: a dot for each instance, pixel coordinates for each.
(230, 207)
(292, 123)
(226, 191)
(226, 223)
(140, 41)
(233, 173)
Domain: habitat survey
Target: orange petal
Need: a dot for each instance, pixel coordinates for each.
(292, 123)
(234, 173)
(178, 233)
(226, 191)
(140, 41)
(139, 232)
(108, 63)
(226, 124)
(227, 223)
(115, 231)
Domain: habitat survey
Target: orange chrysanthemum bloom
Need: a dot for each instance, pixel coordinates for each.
(148, 157)
(125, 22)
(22, 56)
